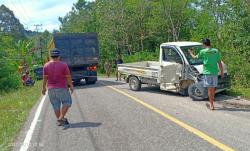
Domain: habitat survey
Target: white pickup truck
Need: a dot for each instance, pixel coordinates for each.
(176, 71)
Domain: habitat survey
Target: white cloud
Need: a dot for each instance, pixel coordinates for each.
(45, 12)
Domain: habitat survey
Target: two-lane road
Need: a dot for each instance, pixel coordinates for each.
(108, 116)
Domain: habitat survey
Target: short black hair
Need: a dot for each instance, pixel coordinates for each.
(54, 57)
(55, 53)
(206, 42)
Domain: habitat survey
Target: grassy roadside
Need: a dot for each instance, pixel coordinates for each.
(243, 92)
(14, 108)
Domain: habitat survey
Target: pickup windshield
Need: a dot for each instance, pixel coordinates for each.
(196, 50)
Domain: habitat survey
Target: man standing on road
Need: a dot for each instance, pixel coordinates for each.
(57, 76)
(107, 67)
(118, 61)
(211, 58)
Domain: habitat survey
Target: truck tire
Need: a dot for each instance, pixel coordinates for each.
(90, 81)
(197, 92)
(77, 82)
(134, 84)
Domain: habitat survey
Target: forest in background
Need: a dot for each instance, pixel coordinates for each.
(140, 26)
(137, 26)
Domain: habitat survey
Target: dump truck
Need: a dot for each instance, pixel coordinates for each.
(175, 71)
(81, 52)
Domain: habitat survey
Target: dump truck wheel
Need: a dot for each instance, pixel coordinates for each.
(90, 81)
(134, 83)
(77, 82)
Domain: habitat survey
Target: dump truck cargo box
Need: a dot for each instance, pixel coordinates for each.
(77, 49)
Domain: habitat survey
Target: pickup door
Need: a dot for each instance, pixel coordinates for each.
(171, 67)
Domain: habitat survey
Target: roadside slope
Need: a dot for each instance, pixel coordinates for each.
(14, 109)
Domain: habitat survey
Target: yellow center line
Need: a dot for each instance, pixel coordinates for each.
(176, 121)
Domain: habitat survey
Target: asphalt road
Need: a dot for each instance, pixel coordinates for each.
(105, 118)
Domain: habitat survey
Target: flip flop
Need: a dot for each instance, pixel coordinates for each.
(208, 106)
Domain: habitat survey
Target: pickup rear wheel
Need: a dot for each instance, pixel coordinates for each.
(134, 83)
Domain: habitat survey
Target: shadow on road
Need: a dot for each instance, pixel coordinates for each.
(223, 100)
(220, 99)
(232, 109)
(233, 106)
(83, 85)
(83, 125)
(156, 90)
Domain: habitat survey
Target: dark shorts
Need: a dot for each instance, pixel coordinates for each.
(210, 81)
(59, 96)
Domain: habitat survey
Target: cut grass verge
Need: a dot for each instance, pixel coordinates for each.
(14, 108)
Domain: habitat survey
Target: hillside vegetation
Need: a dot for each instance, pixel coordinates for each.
(138, 27)
(141, 26)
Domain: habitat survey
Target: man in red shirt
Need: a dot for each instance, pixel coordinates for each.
(57, 77)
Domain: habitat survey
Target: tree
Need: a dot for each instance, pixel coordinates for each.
(8, 76)
(142, 25)
(9, 23)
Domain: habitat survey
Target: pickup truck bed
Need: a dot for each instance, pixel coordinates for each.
(146, 69)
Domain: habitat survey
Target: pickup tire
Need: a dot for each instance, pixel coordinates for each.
(197, 92)
(134, 84)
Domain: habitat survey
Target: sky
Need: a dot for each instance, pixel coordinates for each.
(45, 12)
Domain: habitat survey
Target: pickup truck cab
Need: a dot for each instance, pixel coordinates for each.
(175, 71)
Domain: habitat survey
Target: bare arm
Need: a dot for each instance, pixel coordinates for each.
(192, 53)
(69, 81)
(221, 69)
(45, 80)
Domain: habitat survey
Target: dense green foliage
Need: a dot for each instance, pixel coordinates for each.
(17, 54)
(8, 76)
(142, 25)
(18, 48)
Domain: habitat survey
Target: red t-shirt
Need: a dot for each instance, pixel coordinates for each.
(24, 77)
(56, 72)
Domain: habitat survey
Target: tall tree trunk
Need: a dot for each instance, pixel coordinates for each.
(142, 42)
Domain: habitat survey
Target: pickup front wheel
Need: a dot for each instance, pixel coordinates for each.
(197, 92)
(134, 83)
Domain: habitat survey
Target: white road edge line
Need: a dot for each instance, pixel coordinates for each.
(29, 134)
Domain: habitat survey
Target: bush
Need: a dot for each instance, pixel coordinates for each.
(135, 57)
(9, 78)
(142, 56)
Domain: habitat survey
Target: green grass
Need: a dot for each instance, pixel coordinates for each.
(243, 92)
(14, 108)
